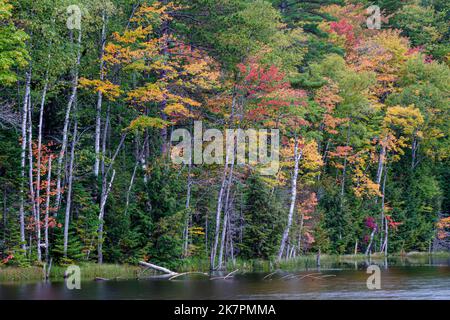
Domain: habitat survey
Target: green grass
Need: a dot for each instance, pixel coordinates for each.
(89, 271)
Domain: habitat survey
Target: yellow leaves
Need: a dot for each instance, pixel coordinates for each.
(109, 90)
(197, 231)
(407, 119)
(144, 122)
(365, 187)
(312, 159)
(151, 92)
(132, 35)
(176, 108)
(155, 12)
(393, 43)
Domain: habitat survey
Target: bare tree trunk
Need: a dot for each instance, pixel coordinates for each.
(98, 122)
(386, 224)
(35, 210)
(23, 157)
(69, 187)
(38, 165)
(47, 209)
(101, 216)
(221, 191)
(226, 212)
(218, 213)
(381, 163)
(188, 214)
(106, 189)
(297, 157)
(130, 187)
(66, 124)
(104, 141)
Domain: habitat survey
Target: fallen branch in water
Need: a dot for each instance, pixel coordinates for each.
(288, 276)
(270, 274)
(226, 277)
(300, 277)
(100, 279)
(185, 273)
(320, 277)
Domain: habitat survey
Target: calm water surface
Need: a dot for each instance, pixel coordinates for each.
(406, 281)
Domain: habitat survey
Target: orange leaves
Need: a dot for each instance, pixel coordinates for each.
(341, 152)
(366, 187)
(156, 12)
(442, 225)
(109, 90)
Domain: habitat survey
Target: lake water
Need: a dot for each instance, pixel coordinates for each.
(346, 281)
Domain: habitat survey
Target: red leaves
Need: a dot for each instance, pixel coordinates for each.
(7, 259)
(257, 79)
(343, 28)
(391, 223)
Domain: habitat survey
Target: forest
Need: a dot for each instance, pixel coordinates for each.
(91, 92)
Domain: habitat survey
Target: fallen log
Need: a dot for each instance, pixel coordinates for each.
(158, 268)
(100, 279)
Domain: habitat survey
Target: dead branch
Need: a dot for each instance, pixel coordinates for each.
(226, 277)
(185, 273)
(158, 268)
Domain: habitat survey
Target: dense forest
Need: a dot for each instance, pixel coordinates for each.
(91, 92)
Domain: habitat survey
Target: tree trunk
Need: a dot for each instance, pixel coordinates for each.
(101, 216)
(47, 209)
(23, 157)
(31, 182)
(69, 188)
(219, 213)
(188, 214)
(297, 157)
(226, 211)
(98, 122)
(66, 124)
(38, 165)
(106, 189)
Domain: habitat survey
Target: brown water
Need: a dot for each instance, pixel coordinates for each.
(404, 281)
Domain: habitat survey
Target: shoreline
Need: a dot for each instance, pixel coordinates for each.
(93, 271)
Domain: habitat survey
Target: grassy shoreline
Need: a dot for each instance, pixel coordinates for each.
(91, 271)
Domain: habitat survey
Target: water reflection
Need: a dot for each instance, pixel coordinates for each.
(346, 280)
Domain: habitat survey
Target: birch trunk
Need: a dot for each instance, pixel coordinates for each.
(66, 124)
(23, 157)
(188, 214)
(98, 122)
(219, 214)
(297, 157)
(47, 209)
(106, 189)
(101, 216)
(38, 164)
(31, 182)
(69, 188)
(226, 212)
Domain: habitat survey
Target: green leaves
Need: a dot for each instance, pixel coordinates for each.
(12, 46)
